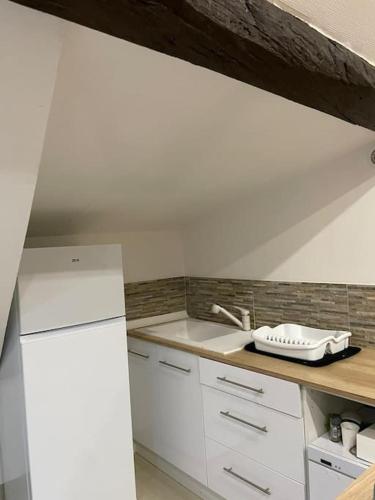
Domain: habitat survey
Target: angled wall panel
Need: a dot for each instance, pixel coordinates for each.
(30, 46)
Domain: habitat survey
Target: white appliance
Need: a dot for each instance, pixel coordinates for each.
(65, 426)
(366, 444)
(331, 469)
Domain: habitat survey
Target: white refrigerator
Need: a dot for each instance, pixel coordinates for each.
(65, 426)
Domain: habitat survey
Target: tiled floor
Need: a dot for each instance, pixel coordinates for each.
(152, 484)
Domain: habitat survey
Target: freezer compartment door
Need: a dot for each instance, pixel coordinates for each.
(78, 413)
(60, 287)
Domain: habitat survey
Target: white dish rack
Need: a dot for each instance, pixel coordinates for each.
(302, 342)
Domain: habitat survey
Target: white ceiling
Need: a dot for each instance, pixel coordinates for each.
(138, 140)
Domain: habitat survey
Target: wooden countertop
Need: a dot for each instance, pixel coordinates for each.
(352, 378)
(362, 488)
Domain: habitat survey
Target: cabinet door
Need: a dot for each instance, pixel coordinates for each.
(143, 389)
(181, 437)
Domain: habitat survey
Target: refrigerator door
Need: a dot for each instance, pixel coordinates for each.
(67, 286)
(78, 413)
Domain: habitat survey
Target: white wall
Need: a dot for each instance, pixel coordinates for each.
(30, 44)
(148, 255)
(316, 226)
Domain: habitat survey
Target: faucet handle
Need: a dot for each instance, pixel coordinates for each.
(243, 311)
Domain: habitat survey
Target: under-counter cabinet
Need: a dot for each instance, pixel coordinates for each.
(254, 434)
(143, 392)
(181, 430)
(238, 432)
(267, 391)
(262, 434)
(167, 409)
(235, 477)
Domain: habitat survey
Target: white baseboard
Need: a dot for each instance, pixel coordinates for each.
(180, 477)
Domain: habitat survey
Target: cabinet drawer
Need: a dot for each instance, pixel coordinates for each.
(177, 362)
(267, 436)
(268, 391)
(141, 350)
(236, 477)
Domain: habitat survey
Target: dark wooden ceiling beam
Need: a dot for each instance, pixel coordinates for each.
(249, 40)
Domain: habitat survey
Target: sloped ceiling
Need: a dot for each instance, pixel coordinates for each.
(138, 140)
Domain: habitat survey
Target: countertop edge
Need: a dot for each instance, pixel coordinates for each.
(362, 488)
(273, 372)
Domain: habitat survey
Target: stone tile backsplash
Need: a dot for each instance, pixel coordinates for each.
(311, 304)
(152, 298)
(362, 314)
(324, 305)
(201, 293)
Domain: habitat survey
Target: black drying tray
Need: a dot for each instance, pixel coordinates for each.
(325, 361)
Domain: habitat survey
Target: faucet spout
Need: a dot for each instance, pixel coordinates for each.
(245, 314)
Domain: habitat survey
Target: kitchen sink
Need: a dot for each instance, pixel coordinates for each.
(205, 334)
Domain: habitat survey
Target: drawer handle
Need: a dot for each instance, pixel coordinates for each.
(228, 415)
(135, 353)
(267, 491)
(224, 379)
(170, 365)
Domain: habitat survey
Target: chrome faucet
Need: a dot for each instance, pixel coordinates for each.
(245, 316)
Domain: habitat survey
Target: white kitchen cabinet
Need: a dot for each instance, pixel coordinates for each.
(269, 391)
(143, 392)
(236, 477)
(272, 438)
(181, 429)
(167, 407)
(203, 417)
